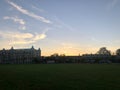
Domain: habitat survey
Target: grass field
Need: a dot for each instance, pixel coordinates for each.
(60, 77)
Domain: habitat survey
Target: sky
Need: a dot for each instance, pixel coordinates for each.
(70, 27)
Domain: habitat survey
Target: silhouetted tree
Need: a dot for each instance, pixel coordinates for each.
(118, 52)
(55, 55)
(104, 51)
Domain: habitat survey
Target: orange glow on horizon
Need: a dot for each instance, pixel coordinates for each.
(69, 50)
(74, 51)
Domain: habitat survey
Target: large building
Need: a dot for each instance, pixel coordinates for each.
(19, 56)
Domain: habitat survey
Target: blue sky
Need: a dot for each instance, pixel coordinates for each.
(60, 26)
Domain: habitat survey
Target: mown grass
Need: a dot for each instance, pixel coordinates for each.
(60, 77)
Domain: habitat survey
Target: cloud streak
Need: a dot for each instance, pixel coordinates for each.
(30, 14)
(17, 20)
(18, 38)
(39, 36)
(16, 35)
(38, 9)
(112, 4)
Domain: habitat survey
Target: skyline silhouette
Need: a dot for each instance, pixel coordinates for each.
(101, 51)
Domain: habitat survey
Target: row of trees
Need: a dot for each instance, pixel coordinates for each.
(101, 51)
(103, 55)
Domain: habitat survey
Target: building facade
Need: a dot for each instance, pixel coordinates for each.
(19, 56)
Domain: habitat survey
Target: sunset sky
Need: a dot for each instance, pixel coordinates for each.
(70, 27)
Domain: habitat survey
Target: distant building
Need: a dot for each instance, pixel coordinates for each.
(19, 56)
(102, 54)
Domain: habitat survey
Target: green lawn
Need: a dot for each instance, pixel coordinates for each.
(60, 77)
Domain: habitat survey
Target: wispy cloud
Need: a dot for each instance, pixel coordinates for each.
(22, 27)
(15, 35)
(30, 14)
(38, 9)
(61, 24)
(17, 20)
(39, 36)
(112, 4)
(18, 38)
